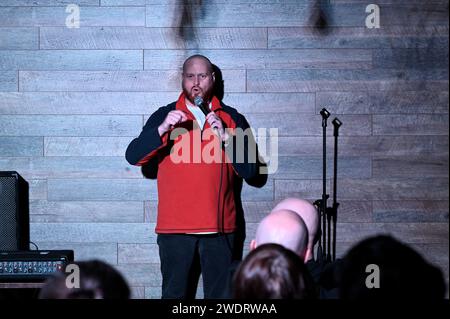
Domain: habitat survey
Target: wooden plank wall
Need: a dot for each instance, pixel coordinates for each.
(72, 99)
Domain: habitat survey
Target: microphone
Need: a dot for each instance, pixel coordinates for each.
(205, 109)
(202, 105)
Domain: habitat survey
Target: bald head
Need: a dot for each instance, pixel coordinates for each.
(198, 58)
(283, 227)
(308, 213)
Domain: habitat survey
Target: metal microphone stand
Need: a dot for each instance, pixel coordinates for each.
(322, 203)
(334, 209)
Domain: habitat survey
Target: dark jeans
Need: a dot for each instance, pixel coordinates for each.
(179, 254)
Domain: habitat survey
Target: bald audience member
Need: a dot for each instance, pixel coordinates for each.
(283, 227)
(310, 216)
(323, 274)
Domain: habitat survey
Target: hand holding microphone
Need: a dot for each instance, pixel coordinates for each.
(198, 100)
(214, 121)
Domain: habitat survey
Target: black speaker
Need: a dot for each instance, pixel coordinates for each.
(14, 212)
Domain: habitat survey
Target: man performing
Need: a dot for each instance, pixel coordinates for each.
(198, 158)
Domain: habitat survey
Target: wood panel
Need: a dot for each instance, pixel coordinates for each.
(21, 146)
(20, 3)
(417, 233)
(254, 194)
(429, 166)
(388, 188)
(410, 211)
(19, 38)
(144, 274)
(153, 292)
(421, 124)
(271, 102)
(375, 146)
(56, 16)
(389, 36)
(101, 189)
(42, 211)
(345, 80)
(78, 125)
(86, 146)
(71, 60)
(308, 125)
(398, 2)
(429, 58)
(138, 254)
(353, 211)
(8, 81)
(151, 38)
(299, 188)
(415, 13)
(91, 233)
(213, 2)
(416, 102)
(410, 145)
(111, 3)
(385, 102)
(265, 59)
(71, 167)
(38, 189)
(137, 292)
(150, 211)
(368, 189)
(255, 211)
(343, 102)
(311, 167)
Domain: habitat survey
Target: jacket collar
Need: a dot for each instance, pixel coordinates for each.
(181, 104)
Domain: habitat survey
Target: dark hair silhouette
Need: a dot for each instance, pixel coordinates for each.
(98, 280)
(403, 273)
(272, 272)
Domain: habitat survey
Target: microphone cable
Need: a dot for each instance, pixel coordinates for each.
(220, 211)
(220, 226)
(198, 101)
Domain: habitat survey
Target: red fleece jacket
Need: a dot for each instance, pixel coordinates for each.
(195, 189)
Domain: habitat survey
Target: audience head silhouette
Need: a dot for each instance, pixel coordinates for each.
(382, 267)
(271, 271)
(97, 280)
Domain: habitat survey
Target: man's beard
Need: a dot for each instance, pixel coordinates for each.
(206, 95)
